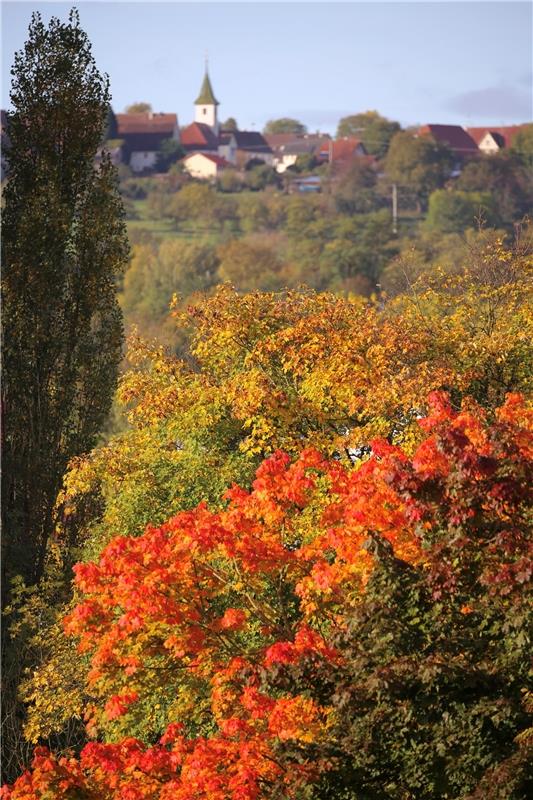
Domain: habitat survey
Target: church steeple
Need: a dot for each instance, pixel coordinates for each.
(206, 96)
(206, 104)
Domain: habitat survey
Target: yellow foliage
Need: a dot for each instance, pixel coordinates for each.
(291, 370)
(55, 692)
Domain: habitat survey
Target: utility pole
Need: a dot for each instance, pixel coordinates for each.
(394, 208)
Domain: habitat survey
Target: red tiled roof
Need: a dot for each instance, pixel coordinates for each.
(145, 131)
(146, 123)
(218, 160)
(198, 136)
(455, 137)
(506, 132)
(340, 149)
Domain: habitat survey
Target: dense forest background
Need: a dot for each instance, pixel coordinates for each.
(254, 230)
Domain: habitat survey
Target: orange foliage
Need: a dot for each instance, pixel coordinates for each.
(209, 594)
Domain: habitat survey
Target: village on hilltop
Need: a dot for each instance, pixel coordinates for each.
(210, 148)
(205, 148)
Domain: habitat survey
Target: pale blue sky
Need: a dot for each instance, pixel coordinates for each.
(448, 62)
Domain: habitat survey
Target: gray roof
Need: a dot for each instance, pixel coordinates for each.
(298, 148)
(251, 140)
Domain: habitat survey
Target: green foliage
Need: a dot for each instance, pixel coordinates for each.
(368, 241)
(63, 249)
(229, 181)
(418, 163)
(301, 213)
(355, 192)
(258, 176)
(201, 203)
(454, 211)
(369, 624)
(134, 188)
(33, 619)
(506, 179)
(299, 369)
(230, 124)
(374, 131)
(522, 146)
(156, 273)
(250, 265)
(138, 108)
(262, 212)
(430, 693)
(284, 125)
(306, 162)
(170, 151)
(110, 130)
(432, 253)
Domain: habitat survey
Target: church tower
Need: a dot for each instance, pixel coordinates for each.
(205, 105)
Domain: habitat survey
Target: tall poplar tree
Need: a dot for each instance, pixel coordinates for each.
(64, 245)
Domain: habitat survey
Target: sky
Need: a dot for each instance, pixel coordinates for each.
(466, 63)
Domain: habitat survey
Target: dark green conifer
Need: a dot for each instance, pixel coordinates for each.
(64, 246)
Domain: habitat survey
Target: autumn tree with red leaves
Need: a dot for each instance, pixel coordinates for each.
(333, 632)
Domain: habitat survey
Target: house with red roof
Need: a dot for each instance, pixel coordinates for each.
(205, 135)
(287, 147)
(198, 137)
(206, 166)
(142, 135)
(492, 140)
(340, 152)
(139, 136)
(454, 137)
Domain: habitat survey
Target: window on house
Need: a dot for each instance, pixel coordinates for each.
(205, 110)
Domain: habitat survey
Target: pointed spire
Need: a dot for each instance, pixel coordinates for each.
(206, 96)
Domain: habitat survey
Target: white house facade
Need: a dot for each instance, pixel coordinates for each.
(142, 134)
(205, 166)
(490, 144)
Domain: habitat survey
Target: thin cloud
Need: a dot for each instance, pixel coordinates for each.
(494, 102)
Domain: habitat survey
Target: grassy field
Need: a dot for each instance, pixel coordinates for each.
(165, 228)
(160, 228)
